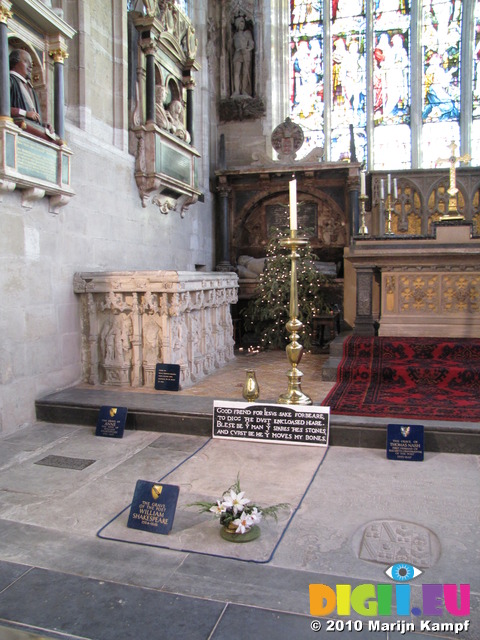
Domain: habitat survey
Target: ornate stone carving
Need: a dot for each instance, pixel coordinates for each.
(133, 320)
(392, 541)
(162, 117)
(241, 108)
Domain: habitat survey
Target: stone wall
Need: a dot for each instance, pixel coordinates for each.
(104, 226)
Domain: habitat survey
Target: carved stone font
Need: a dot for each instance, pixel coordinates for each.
(133, 320)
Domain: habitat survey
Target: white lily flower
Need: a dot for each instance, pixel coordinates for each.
(255, 515)
(243, 523)
(235, 500)
(218, 508)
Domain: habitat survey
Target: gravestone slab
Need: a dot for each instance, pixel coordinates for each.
(392, 541)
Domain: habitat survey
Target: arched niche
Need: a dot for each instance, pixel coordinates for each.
(38, 78)
(320, 218)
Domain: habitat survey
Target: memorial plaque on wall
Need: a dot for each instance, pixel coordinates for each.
(153, 507)
(167, 377)
(111, 422)
(405, 442)
(277, 216)
(308, 425)
(36, 160)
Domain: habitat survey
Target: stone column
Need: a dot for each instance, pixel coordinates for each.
(5, 14)
(150, 87)
(364, 323)
(223, 226)
(353, 185)
(59, 55)
(190, 84)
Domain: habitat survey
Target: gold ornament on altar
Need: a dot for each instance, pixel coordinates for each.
(452, 190)
(389, 201)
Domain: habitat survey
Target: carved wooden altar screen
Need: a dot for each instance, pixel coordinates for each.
(257, 201)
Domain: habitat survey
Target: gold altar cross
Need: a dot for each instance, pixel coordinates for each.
(452, 189)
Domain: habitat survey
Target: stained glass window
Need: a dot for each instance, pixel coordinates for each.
(390, 73)
(442, 21)
(348, 78)
(306, 70)
(391, 83)
(475, 151)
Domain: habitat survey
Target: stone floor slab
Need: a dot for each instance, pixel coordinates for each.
(100, 610)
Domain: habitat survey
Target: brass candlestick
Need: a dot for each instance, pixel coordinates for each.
(389, 208)
(294, 393)
(363, 231)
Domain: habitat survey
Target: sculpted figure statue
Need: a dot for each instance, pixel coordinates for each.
(24, 101)
(249, 267)
(243, 46)
(175, 112)
(162, 117)
(115, 340)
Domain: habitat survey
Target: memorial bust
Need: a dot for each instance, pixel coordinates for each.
(24, 102)
(162, 118)
(175, 112)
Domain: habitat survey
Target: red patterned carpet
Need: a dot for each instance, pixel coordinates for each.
(420, 378)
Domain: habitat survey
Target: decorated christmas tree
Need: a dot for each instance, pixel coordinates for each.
(267, 314)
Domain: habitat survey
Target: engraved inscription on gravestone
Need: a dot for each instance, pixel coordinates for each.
(392, 541)
(153, 507)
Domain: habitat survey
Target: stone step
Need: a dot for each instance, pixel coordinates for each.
(166, 412)
(329, 369)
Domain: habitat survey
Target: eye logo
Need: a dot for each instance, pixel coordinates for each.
(403, 572)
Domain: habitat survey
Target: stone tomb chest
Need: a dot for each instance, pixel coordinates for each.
(132, 320)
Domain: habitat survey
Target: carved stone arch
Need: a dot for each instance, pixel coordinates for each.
(159, 80)
(317, 211)
(174, 92)
(437, 199)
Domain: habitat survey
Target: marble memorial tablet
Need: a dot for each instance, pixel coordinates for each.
(405, 442)
(153, 507)
(167, 377)
(111, 422)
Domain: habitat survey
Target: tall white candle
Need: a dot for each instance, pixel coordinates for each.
(382, 189)
(293, 204)
(395, 192)
(362, 183)
(389, 184)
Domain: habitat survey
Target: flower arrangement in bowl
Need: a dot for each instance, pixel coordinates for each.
(238, 516)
